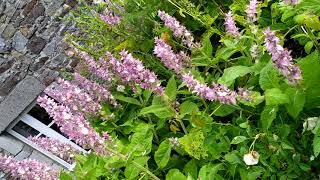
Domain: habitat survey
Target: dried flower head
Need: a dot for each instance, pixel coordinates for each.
(252, 158)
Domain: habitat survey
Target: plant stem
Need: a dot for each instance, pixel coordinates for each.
(136, 164)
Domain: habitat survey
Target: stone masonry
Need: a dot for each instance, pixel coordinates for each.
(31, 53)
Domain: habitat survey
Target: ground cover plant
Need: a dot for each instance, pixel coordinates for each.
(181, 89)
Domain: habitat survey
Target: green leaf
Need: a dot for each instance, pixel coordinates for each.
(171, 89)
(193, 143)
(310, 5)
(133, 169)
(316, 143)
(206, 45)
(162, 155)
(275, 96)
(297, 99)
(129, 100)
(269, 77)
(308, 47)
(268, 114)
(175, 174)
(311, 79)
(238, 139)
(141, 140)
(188, 107)
(65, 176)
(254, 99)
(191, 169)
(159, 110)
(233, 158)
(223, 109)
(232, 73)
(225, 53)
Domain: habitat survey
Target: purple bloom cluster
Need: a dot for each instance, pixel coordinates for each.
(231, 25)
(179, 31)
(95, 90)
(75, 126)
(73, 97)
(216, 93)
(110, 19)
(175, 62)
(132, 72)
(98, 69)
(282, 58)
(27, 169)
(252, 10)
(291, 2)
(62, 150)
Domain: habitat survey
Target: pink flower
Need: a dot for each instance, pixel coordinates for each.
(101, 69)
(281, 58)
(218, 92)
(27, 169)
(75, 126)
(62, 150)
(252, 10)
(95, 90)
(179, 31)
(132, 72)
(175, 62)
(231, 25)
(74, 97)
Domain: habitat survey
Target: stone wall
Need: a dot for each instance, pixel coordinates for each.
(31, 48)
(31, 40)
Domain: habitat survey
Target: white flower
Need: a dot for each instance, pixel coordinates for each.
(98, 1)
(252, 158)
(121, 88)
(84, 131)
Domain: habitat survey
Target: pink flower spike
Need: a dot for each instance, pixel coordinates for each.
(27, 169)
(231, 25)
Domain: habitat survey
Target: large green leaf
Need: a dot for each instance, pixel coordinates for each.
(141, 140)
(191, 169)
(269, 77)
(223, 109)
(171, 89)
(268, 114)
(232, 73)
(129, 100)
(135, 167)
(175, 174)
(160, 111)
(297, 99)
(309, 66)
(188, 107)
(162, 155)
(275, 96)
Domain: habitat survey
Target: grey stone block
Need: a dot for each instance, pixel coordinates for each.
(19, 42)
(40, 157)
(10, 144)
(25, 153)
(19, 99)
